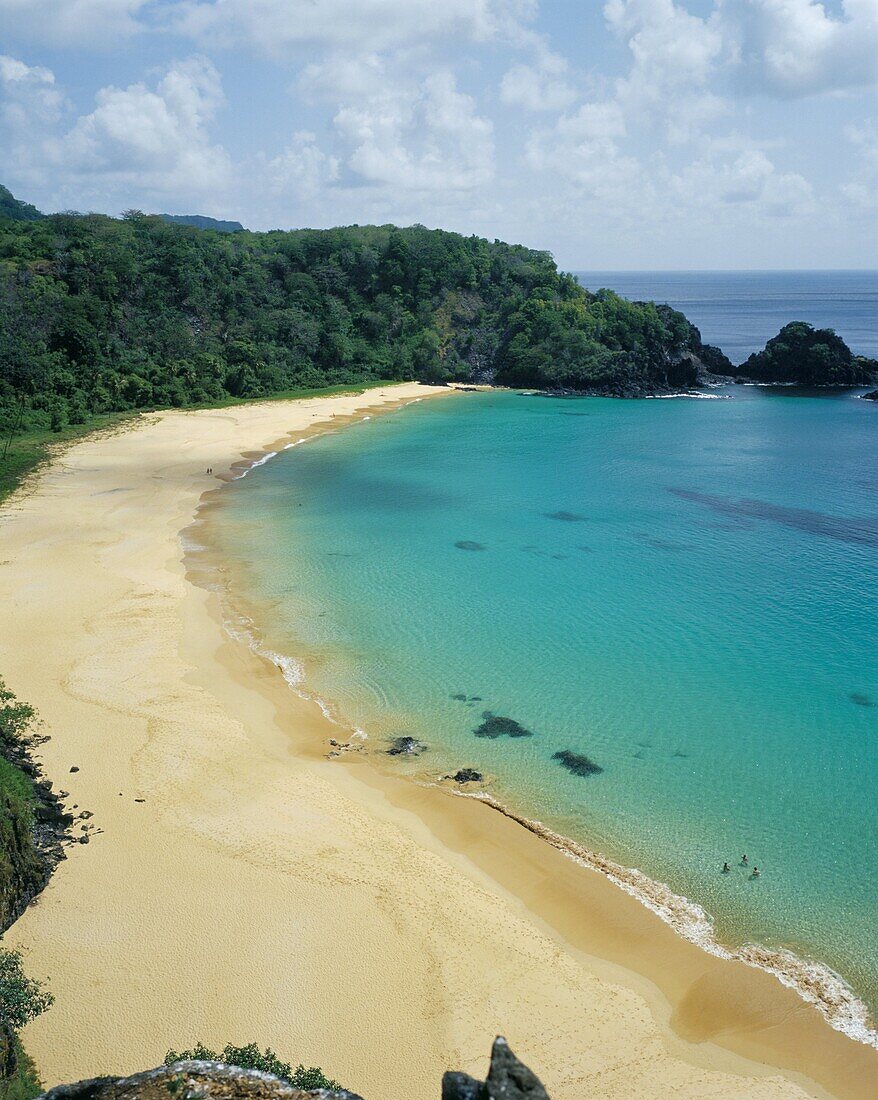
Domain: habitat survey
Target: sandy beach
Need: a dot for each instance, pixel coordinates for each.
(238, 886)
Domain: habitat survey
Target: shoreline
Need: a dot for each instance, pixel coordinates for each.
(814, 982)
(463, 924)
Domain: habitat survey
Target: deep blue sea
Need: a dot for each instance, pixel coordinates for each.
(684, 590)
(740, 310)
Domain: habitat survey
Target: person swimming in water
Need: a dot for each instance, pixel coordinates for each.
(755, 872)
(744, 860)
(726, 868)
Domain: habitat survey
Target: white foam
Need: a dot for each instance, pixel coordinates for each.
(259, 462)
(692, 396)
(814, 982)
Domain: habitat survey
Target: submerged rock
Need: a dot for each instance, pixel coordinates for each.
(406, 746)
(495, 725)
(565, 517)
(508, 1079)
(576, 762)
(861, 700)
(468, 544)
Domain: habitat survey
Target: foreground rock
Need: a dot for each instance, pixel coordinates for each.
(508, 1079)
(205, 1080)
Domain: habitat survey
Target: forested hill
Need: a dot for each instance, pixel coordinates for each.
(99, 314)
(200, 221)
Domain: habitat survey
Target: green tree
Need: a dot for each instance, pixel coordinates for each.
(21, 998)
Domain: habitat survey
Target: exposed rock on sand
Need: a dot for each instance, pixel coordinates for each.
(508, 1079)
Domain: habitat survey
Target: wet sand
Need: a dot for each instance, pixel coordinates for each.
(260, 892)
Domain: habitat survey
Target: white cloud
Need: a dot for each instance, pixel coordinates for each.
(429, 138)
(796, 47)
(277, 26)
(28, 96)
(860, 190)
(301, 171)
(154, 138)
(674, 57)
(95, 24)
(582, 152)
(748, 180)
(541, 86)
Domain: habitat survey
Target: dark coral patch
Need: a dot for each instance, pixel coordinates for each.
(468, 544)
(861, 700)
(495, 725)
(576, 763)
(565, 517)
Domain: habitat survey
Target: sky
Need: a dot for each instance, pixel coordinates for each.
(618, 134)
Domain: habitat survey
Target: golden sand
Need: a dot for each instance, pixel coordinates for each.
(263, 893)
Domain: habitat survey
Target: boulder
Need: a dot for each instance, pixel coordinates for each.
(508, 1079)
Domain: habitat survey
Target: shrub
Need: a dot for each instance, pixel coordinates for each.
(251, 1057)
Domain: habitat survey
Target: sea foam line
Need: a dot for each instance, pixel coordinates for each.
(814, 982)
(692, 396)
(259, 462)
(242, 629)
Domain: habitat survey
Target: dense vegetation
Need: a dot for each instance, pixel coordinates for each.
(21, 865)
(809, 356)
(251, 1057)
(100, 315)
(15, 209)
(23, 872)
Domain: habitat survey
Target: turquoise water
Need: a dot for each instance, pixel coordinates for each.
(685, 591)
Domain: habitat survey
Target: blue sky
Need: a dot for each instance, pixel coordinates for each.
(616, 133)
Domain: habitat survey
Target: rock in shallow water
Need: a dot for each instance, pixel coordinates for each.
(406, 746)
(466, 775)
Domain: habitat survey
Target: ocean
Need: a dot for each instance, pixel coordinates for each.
(683, 592)
(740, 310)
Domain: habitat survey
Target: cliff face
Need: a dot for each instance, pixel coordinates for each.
(508, 1079)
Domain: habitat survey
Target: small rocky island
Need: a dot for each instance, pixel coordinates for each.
(809, 356)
